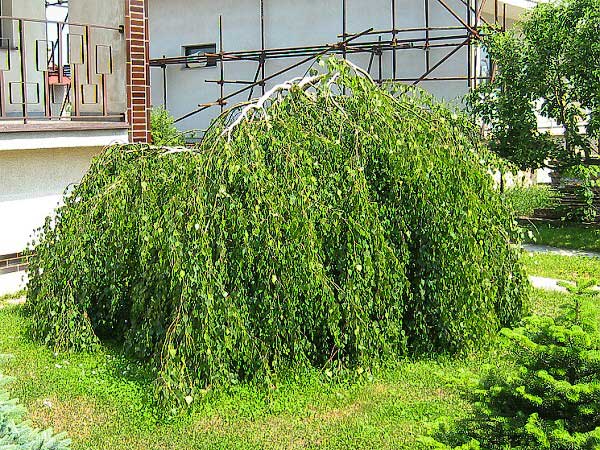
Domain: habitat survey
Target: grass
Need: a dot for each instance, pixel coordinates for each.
(567, 268)
(4, 298)
(569, 236)
(104, 401)
(557, 304)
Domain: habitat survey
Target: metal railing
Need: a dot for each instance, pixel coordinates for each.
(53, 70)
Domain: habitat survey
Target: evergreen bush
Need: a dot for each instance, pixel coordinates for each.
(309, 229)
(16, 434)
(549, 400)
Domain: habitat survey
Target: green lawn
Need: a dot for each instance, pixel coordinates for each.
(562, 267)
(105, 401)
(570, 236)
(4, 298)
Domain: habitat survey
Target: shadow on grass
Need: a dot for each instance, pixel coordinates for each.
(567, 235)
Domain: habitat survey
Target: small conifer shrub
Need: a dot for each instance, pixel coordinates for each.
(309, 229)
(163, 130)
(549, 400)
(17, 434)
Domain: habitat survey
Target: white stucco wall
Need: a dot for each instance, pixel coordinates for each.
(12, 283)
(32, 183)
(175, 23)
(35, 169)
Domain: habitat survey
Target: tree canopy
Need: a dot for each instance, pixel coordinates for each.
(549, 66)
(311, 228)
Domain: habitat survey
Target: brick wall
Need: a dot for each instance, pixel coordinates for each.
(138, 70)
(15, 262)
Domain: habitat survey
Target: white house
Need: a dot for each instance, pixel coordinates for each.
(424, 41)
(68, 88)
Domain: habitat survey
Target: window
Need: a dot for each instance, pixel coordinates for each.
(6, 25)
(485, 63)
(201, 50)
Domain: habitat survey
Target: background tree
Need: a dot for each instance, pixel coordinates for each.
(548, 65)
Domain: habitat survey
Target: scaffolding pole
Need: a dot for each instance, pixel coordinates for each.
(455, 38)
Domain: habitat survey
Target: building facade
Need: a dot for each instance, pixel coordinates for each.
(425, 42)
(75, 81)
(74, 78)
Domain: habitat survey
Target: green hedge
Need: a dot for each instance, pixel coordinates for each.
(327, 230)
(524, 201)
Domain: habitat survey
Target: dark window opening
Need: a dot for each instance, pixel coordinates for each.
(199, 51)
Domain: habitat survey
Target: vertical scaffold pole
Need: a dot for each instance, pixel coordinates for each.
(469, 47)
(262, 45)
(427, 36)
(344, 30)
(221, 57)
(394, 40)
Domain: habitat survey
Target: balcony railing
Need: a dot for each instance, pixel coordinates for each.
(61, 71)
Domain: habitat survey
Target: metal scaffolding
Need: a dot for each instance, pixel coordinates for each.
(379, 43)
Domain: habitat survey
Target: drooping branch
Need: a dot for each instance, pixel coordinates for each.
(248, 111)
(302, 83)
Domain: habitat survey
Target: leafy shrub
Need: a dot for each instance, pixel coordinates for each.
(15, 434)
(524, 201)
(588, 179)
(329, 230)
(163, 130)
(550, 400)
(546, 65)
